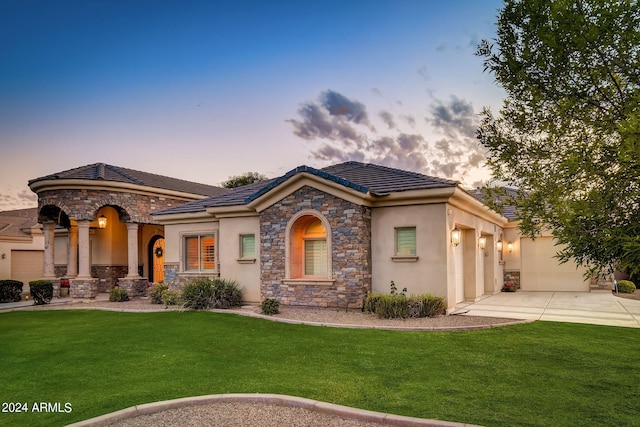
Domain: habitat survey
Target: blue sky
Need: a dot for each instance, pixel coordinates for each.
(202, 90)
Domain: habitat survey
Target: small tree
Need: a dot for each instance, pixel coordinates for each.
(244, 179)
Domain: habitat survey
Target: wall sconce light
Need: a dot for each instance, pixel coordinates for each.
(482, 242)
(102, 221)
(455, 236)
(499, 245)
(510, 247)
(4, 256)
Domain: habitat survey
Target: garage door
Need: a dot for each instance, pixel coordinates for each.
(27, 266)
(542, 272)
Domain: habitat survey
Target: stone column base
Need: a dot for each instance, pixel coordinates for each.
(83, 288)
(135, 287)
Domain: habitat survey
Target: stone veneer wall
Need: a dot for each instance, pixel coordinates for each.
(83, 204)
(512, 276)
(107, 275)
(351, 251)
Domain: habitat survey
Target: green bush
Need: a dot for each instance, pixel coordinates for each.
(41, 291)
(399, 306)
(118, 295)
(426, 305)
(202, 294)
(270, 306)
(155, 293)
(10, 290)
(626, 286)
(170, 297)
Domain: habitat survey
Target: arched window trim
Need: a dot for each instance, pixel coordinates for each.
(290, 226)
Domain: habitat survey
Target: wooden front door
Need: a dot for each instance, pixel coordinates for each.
(157, 253)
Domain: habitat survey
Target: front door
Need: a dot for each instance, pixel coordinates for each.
(157, 255)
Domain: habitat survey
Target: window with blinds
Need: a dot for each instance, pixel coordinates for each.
(315, 257)
(406, 241)
(200, 253)
(247, 246)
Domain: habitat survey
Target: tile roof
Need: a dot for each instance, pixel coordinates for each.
(104, 172)
(508, 211)
(362, 177)
(12, 223)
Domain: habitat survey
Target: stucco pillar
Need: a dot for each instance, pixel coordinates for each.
(49, 267)
(72, 252)
(83, 250)
(132, 250)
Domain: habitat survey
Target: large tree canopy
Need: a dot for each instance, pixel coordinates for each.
(568, 133)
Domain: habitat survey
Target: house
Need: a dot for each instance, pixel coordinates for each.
(21, 246)
(318, 237)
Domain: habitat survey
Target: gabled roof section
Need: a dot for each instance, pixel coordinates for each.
(364, 178)
(105, 172)
(383, 180)
(312, 171)
(18, 223)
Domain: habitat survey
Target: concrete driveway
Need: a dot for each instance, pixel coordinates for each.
(598, 308)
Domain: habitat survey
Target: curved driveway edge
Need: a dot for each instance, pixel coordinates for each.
(272, 399)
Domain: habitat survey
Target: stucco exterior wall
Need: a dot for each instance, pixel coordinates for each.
(174, 275)
(245, 271)
(480, 271)
(427, 273)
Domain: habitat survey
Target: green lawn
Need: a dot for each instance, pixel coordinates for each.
(538, 374)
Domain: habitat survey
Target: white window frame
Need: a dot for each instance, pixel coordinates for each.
(243, 256)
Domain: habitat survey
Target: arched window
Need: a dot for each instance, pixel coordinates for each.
(308, 248)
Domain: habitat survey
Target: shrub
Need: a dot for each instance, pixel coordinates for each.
(118, 295)
(10, 290)
(155, 293)
(392, 307)
(170, 297)
(41, 291)
(398, 306)
(370, 302)
(202, 294)
(270, 306)
(626, 286)
(426, 305)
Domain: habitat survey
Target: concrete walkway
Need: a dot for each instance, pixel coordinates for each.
(598, 308)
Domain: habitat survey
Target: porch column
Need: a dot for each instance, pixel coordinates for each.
(132, 250)
(83, 250)
(72, 252)
(49, 266)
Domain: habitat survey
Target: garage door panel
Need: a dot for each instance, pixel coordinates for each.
(27, 266)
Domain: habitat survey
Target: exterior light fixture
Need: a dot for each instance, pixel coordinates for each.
(510, 247)
(499, 245)
(482, 242)
(455, 236)
(102, 221)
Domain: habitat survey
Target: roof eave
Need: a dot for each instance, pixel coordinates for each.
(78, 184)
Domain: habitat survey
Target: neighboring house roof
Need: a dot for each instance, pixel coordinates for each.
(18, 223)
(362, 177)
(104, 172)
(508, 211)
